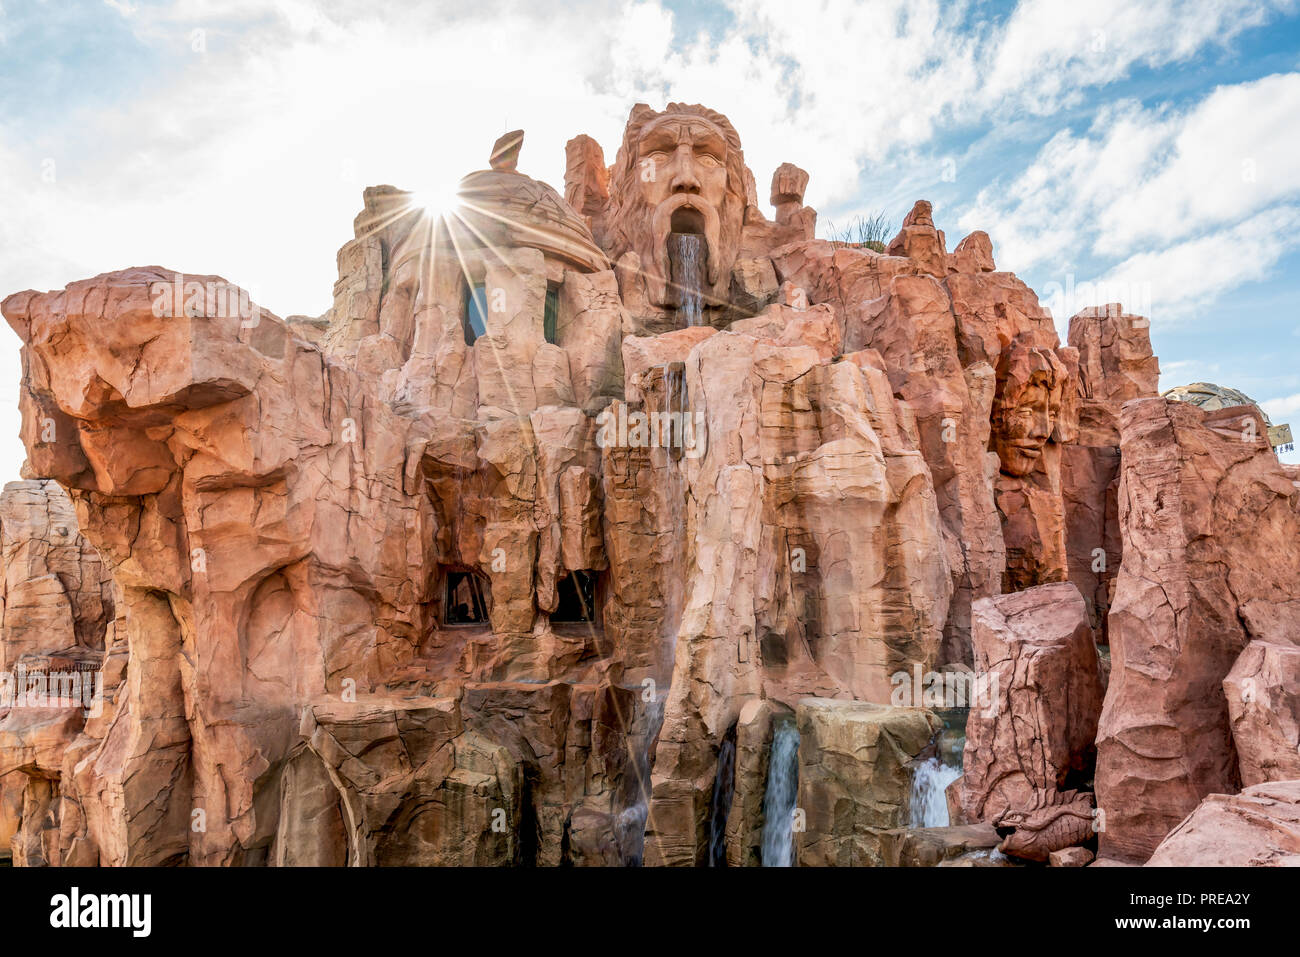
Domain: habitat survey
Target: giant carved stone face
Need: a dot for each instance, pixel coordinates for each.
(1029, 399)
(679, 171)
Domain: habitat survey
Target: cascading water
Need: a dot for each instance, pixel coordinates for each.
(686, 256)
(631, 821)
(929, 800)
(724, 783)
(780, 795)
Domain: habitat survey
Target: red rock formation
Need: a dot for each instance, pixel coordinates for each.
(503, 558)
(1210, 522)
(1035, 657)
(1263, 693)
(1115, 365)
(1260, 827)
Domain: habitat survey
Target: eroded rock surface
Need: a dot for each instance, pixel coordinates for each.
(854, 778)
(1034, 653)
(1210, 521)
(1260, 827)
(517, 554)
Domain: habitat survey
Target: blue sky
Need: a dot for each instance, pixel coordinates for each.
(1151, 146)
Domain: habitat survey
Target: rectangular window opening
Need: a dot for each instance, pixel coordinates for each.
(552, 315)
(465, 604)
(474, 314)
(577, 597)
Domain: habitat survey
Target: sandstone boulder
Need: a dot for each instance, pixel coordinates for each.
(1263, 693)
(854, 779)
(1260, 827)
(1034, 654)
(1209, 522)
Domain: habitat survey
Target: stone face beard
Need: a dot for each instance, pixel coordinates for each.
(683, 181)
(680, 171)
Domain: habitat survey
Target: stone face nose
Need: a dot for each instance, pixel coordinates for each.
(684, 179)
(1042, 425)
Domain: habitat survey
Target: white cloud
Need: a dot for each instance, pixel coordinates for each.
(1186, 278)
(1142, 176)
(1234, 154)
(248, 159)
(1279, 410)
(1050, 50)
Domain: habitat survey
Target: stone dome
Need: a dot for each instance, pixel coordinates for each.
(504, 207)
(1208, 396)
(1211, 397)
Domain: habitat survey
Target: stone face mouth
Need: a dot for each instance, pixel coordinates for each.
(687, 219)
(685, 213)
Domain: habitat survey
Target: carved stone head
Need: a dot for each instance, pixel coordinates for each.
(1030, 384)
(679, 171)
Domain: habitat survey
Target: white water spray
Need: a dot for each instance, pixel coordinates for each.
(929, 801)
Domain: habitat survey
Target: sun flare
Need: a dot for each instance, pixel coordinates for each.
(436, 203)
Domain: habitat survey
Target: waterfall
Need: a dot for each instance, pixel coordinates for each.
(724, 783)
(686, 255)
(631, 821)
(929, 800)
(779, 797)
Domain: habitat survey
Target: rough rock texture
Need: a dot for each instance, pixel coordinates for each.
(1210, 521)
(1263, 693)
(1093, 546)
(1260, 827)
(57, 595)
(1115, 365)
(1071, 857)
(57, 613)
(854, 779)
(776, 590)
(931, 846)
(1034, 653)
(745, 819)
(507, 556)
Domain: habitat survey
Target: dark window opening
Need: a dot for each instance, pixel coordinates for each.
(577, 593)
(552, 315)
(474, 314)
(465, 604)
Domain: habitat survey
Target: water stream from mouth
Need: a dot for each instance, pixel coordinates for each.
(686, 257)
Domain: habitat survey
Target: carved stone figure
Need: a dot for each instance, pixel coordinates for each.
(1055, 820)
(1032, 381)
(1026, 409)
(679, 171)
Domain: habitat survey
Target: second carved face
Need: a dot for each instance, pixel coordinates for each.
(1029, 400)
